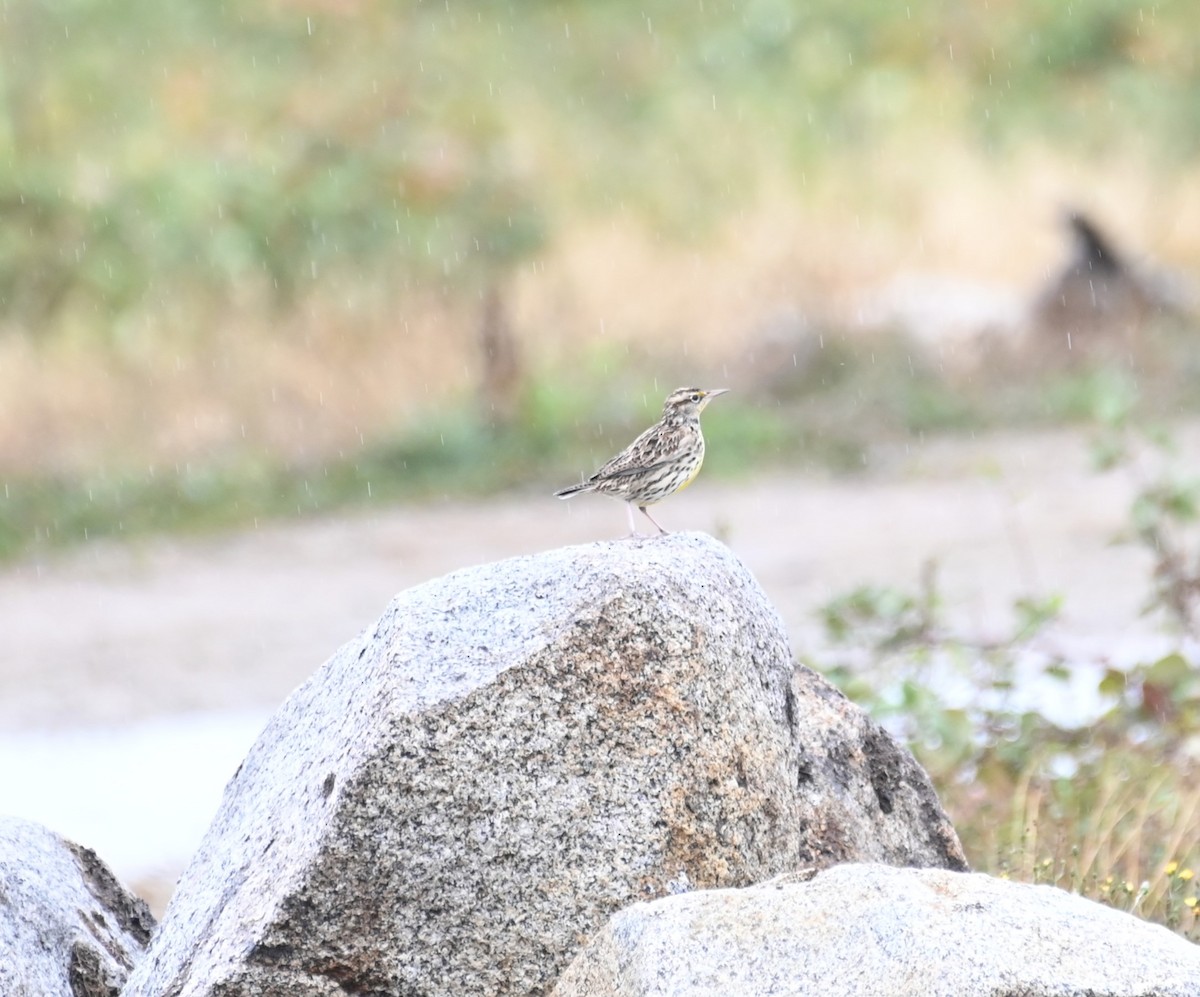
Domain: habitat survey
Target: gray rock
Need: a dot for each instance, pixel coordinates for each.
(459, 798)
(878, 931)
(67, 927)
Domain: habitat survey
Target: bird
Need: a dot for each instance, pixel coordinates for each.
(663, 460)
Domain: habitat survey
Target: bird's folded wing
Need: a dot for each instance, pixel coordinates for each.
(650, 450)
(631, 469)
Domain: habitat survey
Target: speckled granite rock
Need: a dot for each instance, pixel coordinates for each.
(877, 931)
(67, 927)
(461, 796)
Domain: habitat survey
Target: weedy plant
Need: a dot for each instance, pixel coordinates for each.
(1106, 804)
(1165, 517)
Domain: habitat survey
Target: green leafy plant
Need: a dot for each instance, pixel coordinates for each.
(1107, 808)
(1165, 514)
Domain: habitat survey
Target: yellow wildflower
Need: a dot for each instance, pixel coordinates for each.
(1186, 874)
(1170, 869)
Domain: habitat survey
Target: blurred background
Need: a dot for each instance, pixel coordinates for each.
(304, 303)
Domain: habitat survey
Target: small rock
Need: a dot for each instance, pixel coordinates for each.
(1100, 300)
(67, 927)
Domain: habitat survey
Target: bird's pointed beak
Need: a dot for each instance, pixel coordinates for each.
(709, 395)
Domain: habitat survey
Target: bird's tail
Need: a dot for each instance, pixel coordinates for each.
(583, 486)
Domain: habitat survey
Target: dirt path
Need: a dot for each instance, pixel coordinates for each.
(107, 635)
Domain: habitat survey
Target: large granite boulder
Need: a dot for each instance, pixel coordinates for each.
(878, 931)
(67, 927)
(461, 796)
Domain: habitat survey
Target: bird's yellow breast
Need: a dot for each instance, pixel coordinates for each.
(691, 477)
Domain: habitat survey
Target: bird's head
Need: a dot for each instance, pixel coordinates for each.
(688, 403)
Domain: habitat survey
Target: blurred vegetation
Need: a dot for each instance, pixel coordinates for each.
(844, 409)
(157, 155)
(1106, 802)
(167, 170)
(570, 423)
(1165, 518)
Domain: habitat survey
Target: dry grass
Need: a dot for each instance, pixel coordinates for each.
(1123, 833)
(314, 384)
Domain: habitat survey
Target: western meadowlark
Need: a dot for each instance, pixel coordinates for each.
(663, 460)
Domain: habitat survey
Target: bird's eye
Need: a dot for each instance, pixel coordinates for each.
(697, 396)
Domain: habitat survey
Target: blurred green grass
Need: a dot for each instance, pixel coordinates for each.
(156, 153)
(448, 451)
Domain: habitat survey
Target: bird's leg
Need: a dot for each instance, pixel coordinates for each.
(632, 525)
(661, 531)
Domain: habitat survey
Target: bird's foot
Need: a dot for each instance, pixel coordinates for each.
(635, 535)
